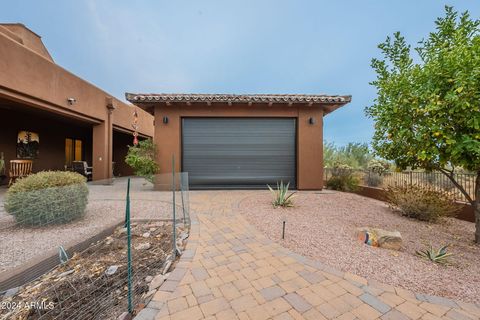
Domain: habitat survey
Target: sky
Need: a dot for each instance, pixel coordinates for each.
(226, 46)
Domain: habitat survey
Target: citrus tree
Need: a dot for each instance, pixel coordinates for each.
(427, 109)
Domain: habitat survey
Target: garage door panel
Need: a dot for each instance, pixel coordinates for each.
(239, 152)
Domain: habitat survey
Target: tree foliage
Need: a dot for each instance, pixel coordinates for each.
(427, 110)
(355, 155)
(142, 159)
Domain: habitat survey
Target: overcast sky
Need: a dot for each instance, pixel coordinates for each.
(244, 46)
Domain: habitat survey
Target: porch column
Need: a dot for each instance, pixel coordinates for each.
(102, 153)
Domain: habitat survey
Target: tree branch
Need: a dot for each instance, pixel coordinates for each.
(450, 176)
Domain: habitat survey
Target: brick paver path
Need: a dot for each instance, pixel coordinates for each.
(234, 272)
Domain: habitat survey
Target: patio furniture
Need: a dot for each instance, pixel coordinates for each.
(82, 168)
(19, 169)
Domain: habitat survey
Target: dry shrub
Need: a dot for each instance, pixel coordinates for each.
(422, 203)
(342, 179)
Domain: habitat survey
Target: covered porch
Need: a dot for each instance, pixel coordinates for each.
(53, 141)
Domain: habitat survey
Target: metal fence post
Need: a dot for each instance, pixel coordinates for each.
(174, 217)
(129, 249)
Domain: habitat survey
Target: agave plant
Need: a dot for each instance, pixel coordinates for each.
(438, 256)
(280, 197)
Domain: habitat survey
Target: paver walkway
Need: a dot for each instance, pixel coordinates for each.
(231, 271)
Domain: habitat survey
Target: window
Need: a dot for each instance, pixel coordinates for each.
(73, 151)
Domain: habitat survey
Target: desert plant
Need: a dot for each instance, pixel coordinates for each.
(342, 178)
(420, 202)
(142, 159)
(378, 166)
(373, 179)
(438, 256)
(356, 155)
(48, 197)
(281, 198)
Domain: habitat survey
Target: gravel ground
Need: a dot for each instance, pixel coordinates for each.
(322, 226)
(106, 206)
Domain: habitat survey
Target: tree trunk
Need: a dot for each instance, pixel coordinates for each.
(476, 208)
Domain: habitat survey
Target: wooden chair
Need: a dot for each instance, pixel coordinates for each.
(82, 168)
(19, 169)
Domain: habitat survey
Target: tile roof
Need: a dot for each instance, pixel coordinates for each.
(254, 98)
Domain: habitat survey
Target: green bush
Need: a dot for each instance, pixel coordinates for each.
(141, 158)
(342, 178)
(48, 197)
(422, 203)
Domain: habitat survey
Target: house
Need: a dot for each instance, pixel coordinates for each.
(53, 117)
(241, 141)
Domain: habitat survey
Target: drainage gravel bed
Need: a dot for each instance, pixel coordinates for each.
(322, 226)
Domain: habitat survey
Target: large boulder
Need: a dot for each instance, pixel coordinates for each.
(380, 238)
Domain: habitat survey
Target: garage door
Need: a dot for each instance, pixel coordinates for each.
(239, 152)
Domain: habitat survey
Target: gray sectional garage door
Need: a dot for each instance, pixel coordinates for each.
(239, 152)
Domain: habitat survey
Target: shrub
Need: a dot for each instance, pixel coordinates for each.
(378, 166)
(48, 197)
(141, 158)
(373, 179)
(342, 178)
(422, 203)
(280, 197)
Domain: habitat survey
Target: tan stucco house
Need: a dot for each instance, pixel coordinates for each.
(69, 118)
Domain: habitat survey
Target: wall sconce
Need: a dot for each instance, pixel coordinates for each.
(312, 121)
(165, 120)
(71, 101)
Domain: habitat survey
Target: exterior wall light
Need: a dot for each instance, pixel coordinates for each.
(71, 101)
(165, 120)
(312, 121)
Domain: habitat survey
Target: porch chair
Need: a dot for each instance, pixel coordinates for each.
(19, 169)
(82, 168)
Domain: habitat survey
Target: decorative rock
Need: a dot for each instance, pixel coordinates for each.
(148, 279)
(146, 235)
(380, 238)
(143, 246)
(156, 282)
(149, 293)
(11, 292)
(166, 266)
(125, 316)
(66, 273)
(111, 270)
(122, 230)
(183, 235)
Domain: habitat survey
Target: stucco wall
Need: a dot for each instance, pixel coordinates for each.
(26, 74)
(309, 136)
